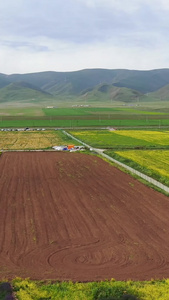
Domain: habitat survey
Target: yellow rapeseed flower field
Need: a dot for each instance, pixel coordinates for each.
(156, 137)
(156, 160)
(123, 138)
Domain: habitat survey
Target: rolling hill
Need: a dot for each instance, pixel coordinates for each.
(105, 92)
(162, 94)
(97, 84)
(22, 91)
(145, 81)
(3, 80)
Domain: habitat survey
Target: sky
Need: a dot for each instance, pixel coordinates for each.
(70, 35)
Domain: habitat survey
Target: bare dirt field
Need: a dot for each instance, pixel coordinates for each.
(71, 216)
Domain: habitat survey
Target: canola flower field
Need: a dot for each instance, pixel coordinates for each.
(154, 163)
(153, 137)
(123, 138)
(25, 289)
(155, 160)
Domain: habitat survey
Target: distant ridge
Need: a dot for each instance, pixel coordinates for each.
(99, 84)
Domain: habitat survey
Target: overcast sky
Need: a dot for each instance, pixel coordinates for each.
(68, 35)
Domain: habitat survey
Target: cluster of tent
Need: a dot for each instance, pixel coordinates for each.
(68, 148)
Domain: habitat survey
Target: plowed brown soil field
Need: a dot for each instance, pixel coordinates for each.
(71, 216)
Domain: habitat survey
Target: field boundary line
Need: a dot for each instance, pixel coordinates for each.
(134, 171)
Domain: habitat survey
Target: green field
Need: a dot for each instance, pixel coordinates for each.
(72, 117)
(122, 139)
(75, 123)
(110, 290)
(83, 111)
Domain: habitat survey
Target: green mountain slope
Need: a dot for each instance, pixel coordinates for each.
(75, 81)
(106, 92)
(162, 94)
(145, 81)
(4, 80)
(78, 81)
(22, 91)
(97, 84)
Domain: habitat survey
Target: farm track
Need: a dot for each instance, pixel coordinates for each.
(71, 216)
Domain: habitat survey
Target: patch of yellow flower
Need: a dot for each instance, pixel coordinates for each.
(157, 137)
(156, 160)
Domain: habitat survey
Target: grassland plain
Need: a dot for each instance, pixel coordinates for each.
(112, 290)
(124, 138)
(154, 163)
(32, 140)
(17, 111)
(82, 117)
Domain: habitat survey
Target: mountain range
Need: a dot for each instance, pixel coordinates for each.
(90, 84)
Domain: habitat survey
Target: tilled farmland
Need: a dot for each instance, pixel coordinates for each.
(72, 216)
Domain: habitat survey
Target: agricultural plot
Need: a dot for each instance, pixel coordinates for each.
(153, 163)
(124, 138)
(23, 140)
(21, 112)
(72, 122)
(159, 138)
(74, 117)
(85, 111)
(84, 121)
(71, 216)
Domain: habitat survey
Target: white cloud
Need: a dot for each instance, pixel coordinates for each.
(164, 4)
(121, 5)
(127, 6)
(70, 56)
(38, 35)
